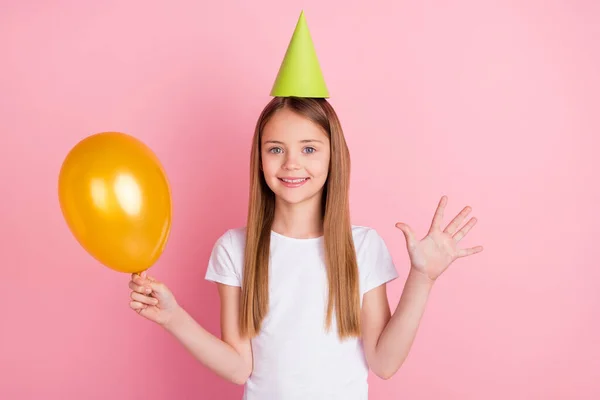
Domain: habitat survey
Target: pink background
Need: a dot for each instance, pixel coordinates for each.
(494, 105)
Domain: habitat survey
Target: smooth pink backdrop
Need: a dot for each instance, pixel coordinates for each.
(493, 103)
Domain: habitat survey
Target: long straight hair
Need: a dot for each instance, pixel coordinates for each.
(340, 256)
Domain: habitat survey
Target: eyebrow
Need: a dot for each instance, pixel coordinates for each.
(302, 141)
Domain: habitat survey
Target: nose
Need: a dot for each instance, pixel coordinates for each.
(291, 163)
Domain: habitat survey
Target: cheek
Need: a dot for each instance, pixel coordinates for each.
(269, 166)
(319, 167)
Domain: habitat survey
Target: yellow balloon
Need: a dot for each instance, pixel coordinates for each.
(115, 197)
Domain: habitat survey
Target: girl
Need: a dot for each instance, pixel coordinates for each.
(304, 309)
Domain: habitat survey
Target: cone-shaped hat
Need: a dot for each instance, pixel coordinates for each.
(300, 73)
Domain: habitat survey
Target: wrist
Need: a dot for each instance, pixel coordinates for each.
(175, 320)
(420, 277)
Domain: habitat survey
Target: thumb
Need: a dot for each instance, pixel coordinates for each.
(409, 235)
(157, 287)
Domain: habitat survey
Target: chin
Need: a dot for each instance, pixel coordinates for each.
(293, 200)
(298, 197)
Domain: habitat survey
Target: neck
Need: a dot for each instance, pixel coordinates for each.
(301, 221)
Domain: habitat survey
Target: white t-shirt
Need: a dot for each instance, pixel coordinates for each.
(294, 357)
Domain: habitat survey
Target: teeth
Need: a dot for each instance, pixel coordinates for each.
(293, 180)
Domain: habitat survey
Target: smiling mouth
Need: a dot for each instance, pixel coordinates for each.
(299, 180)
(293, 183)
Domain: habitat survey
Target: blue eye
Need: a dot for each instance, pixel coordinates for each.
(310, 148)
(272, 150)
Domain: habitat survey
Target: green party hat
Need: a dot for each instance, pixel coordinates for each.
(300, 73)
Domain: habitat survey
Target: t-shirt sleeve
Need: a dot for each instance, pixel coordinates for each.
(221, 265)
(380, 267)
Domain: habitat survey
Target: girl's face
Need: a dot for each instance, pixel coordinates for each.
(295, 157)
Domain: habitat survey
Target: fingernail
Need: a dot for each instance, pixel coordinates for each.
(148, 290)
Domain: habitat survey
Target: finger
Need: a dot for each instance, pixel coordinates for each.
(143, 278)
(140, 298)
(453, 225)
(138, 279)
(438, 217)
(140, 288)
(465, 229)
(470, 251)
(146, 282)
(137, 306)
(409, 235)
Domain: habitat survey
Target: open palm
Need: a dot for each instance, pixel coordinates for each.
(434, 253)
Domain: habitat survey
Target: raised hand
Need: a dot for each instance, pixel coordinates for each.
(434, 253)
(151, 299)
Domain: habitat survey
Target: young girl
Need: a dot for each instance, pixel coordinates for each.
(304, 308)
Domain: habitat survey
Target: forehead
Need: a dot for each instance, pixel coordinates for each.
(288, 126)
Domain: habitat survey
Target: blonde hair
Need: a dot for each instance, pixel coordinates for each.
(342, 270)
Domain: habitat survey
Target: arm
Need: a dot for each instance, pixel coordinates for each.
(388, 338)
(231, 357)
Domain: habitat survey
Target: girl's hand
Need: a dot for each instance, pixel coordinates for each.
(433, 254)
(152, 299)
